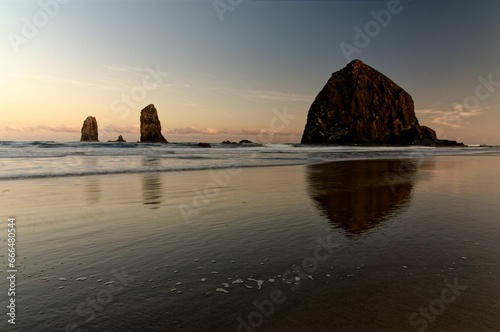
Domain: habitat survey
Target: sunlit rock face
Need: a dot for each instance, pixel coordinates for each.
(151, 126)
(359, 105)
(90, 132)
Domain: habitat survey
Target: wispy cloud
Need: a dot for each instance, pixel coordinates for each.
(224, 131)
(64, 128)
(135, 129)
(125, 69)
(453, 117)
(120, 79)
(190, 103)
(265, 95)
(109, 128)
(45, 79)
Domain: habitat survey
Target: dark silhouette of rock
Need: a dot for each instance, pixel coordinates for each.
(228, 142)
(119, 140)
(245, 141)
(151, 126)
(204, 145)
(358, 195)
(90, 131)
(359, 105)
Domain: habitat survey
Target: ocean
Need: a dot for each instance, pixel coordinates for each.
(23, 160)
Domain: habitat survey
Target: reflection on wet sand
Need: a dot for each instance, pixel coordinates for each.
(359, 194)
(92, 189)
(151, 185)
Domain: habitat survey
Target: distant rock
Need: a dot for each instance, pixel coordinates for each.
(120, 139)
(245, 141)
(151, 126)
(359, 105)
(204, 145)
(228, 142)
(90, 132)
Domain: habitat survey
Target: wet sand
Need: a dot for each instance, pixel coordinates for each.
(375, 245)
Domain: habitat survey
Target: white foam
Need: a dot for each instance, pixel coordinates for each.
(259, 282)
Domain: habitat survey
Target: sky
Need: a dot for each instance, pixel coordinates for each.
(226, 69)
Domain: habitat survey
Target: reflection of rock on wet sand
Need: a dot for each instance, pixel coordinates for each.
(152, 185)
(92, 189)
(356, 195)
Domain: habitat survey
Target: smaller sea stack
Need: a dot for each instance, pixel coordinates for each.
(151, 126)
(90, 131)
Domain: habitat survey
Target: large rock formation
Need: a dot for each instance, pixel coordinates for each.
(150, 126)
(90, 131)
(359, 105)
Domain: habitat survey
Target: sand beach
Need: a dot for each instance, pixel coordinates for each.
(378, 245)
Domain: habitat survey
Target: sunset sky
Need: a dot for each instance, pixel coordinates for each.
(215, 70)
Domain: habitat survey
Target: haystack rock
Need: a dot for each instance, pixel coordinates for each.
(150, 126)
(90, 132)
(359, 105)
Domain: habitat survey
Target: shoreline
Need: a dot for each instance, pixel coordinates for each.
(256, 142)
(412, 155)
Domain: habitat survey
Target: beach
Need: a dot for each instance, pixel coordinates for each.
(379, 245)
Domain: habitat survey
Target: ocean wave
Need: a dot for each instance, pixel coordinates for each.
(134, 171)
(34, 160)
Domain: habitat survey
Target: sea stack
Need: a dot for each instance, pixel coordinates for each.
(90, 132)
(119, 140)
(359, 105)
(150, 126)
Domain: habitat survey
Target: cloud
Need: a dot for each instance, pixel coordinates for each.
(65, 128)
(224, 131)
(125, 69)
(452, 117)
(44, 79)
(135, 129)
(120, 84)
(109, 128)
(266, 95)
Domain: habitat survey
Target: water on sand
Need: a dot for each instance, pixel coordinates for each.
(344, 246)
